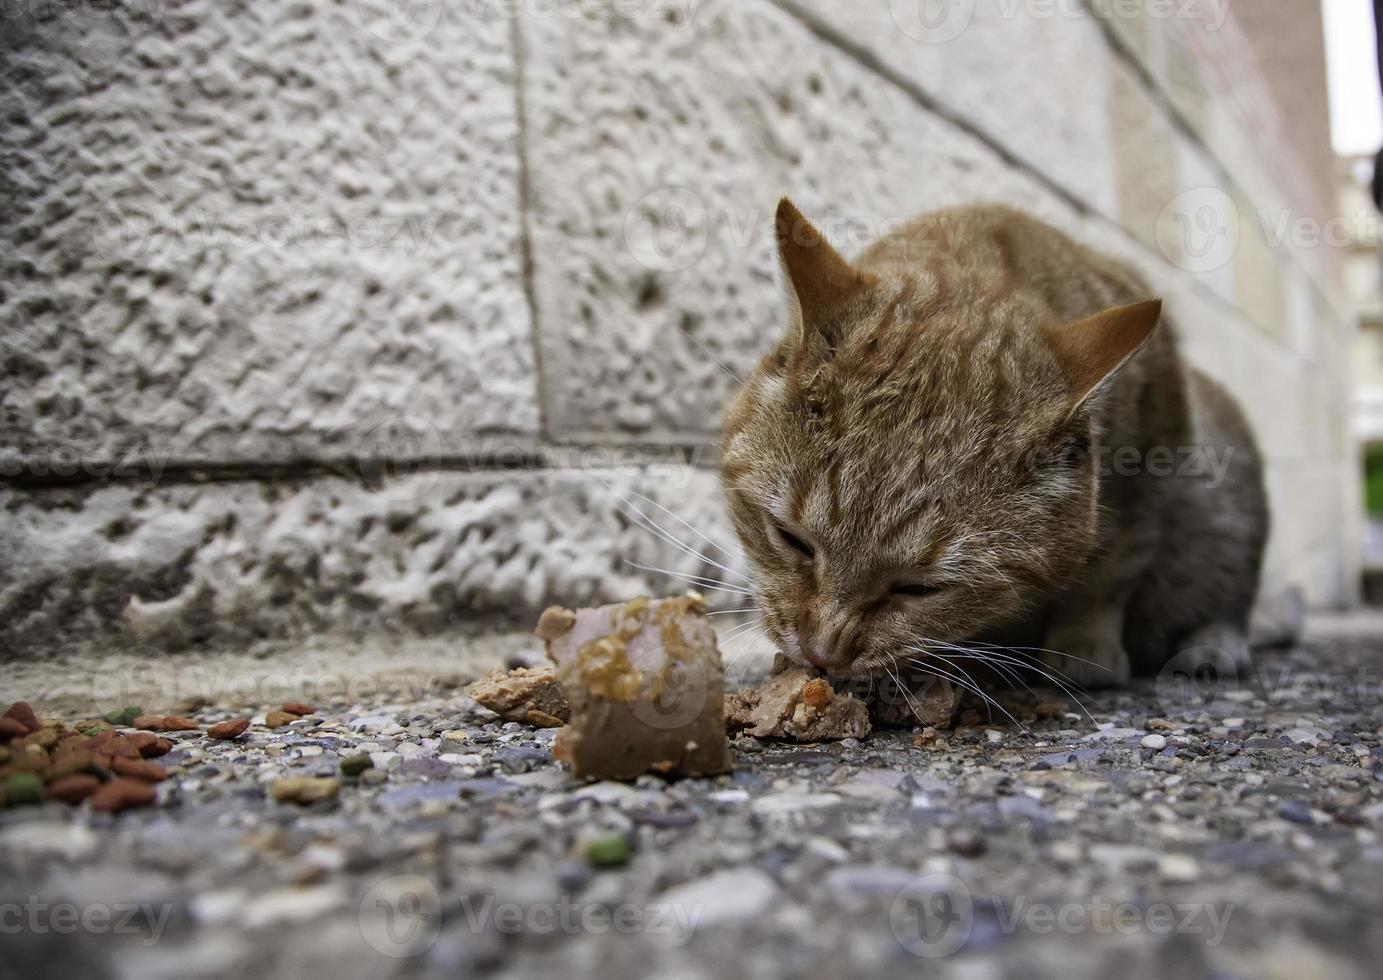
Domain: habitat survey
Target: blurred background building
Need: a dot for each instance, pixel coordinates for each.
(372, 315)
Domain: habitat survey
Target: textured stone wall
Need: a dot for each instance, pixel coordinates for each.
(375, 314)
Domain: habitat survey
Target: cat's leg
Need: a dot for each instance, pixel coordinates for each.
(1085, 642)
(1218, 645)
(1085, 637)
(1199, 593)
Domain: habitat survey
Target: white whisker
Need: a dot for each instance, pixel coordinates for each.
(692, 528)
(698, 580)
(656, 528)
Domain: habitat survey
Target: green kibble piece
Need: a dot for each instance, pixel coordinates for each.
(357, 764)
(123, 717)
(24, 787)
(609, 851)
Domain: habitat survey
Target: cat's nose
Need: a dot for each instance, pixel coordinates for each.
(816, 657)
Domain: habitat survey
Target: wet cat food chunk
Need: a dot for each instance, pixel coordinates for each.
(645, 685)
(799, 707)
(531, 695)
(929, 701)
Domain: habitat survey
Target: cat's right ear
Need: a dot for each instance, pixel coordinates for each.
(1091, 350)
(820, 284)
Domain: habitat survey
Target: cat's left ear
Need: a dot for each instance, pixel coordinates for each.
(1092, 349)
(821, 284)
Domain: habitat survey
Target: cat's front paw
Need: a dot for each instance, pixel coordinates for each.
(1092, 661)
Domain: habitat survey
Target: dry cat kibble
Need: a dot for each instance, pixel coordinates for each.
(51, 760)
(646, 688)
(229, 729)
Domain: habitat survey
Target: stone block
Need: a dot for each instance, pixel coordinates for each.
(256, 232)
(181, 564)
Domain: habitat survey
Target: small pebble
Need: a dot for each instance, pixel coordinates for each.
(304, 789)
(1296, 811)
(967, 842)
(609, 851)
(1155, 742)
(356, 764)
(1179, 869)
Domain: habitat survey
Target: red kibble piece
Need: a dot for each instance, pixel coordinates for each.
(73, 789)
(229, 729)
(121, 794)
(23, 712)
(150, 772)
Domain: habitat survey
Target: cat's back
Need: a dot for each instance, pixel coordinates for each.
(998, 248)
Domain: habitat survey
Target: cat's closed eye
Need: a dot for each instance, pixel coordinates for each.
(795, 543)
(915, 590)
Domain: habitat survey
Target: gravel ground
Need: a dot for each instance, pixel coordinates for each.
(1183, 830)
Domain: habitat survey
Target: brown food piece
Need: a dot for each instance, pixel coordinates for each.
(121, 794)
(148, 723)
(73, 789)
(554, 621)
(26, 758)
(229, 729)
(532, 695)
(646, 688)
(298, 708)
(929, 701)
(102, 739)
(44, 738)
(177, 723)
(931, 740)
(278, 719)
(150, 772)
(67, 763)
(23, 712)
(11, 728)
(129, 746)
(799, 707)
(145, 744)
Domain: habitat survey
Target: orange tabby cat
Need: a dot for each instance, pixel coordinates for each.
(977, 431)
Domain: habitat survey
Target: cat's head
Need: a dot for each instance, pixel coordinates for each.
(911, 462)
